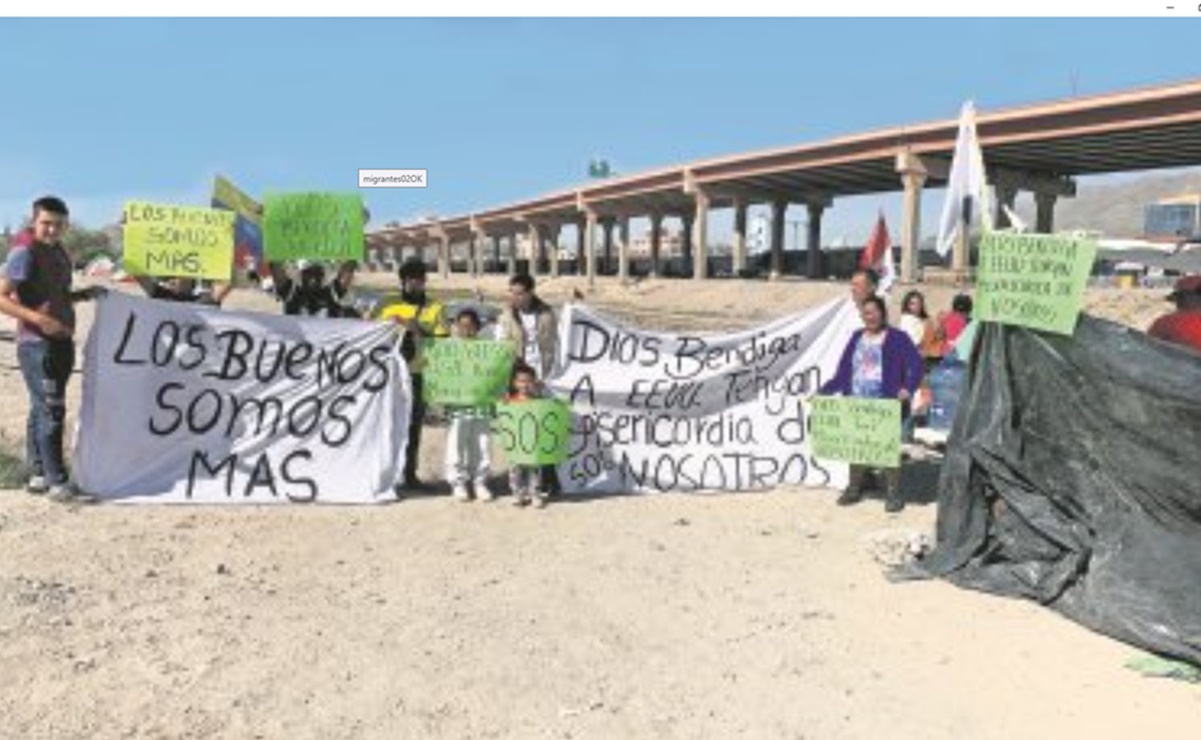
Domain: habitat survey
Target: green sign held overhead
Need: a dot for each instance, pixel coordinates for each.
(1033, 280)
(534, 432)
(860, 431)
(321, 226)
(466, 372)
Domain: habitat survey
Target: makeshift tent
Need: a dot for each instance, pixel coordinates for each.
(1073, 477)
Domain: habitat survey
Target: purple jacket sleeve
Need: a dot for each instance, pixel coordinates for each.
(841, 382)
(902, 364)
(912, 366)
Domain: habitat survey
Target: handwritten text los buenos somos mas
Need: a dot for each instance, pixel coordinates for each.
(337, 379)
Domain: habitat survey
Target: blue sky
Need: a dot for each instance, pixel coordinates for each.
(102, 110)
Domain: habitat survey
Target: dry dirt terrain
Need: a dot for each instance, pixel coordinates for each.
(669, 616)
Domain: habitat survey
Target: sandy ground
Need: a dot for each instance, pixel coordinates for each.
(671, 616)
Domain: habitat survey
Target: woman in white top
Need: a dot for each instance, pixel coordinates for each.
(914, 320)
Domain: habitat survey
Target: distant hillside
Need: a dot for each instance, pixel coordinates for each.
(1115, 209)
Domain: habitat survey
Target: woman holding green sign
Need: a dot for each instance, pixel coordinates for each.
(878, 362)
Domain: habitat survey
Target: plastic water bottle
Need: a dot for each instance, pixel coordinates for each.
(946, 381)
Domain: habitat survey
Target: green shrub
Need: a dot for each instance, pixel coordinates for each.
(12, 468)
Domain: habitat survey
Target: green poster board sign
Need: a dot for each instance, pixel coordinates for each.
(860, 431)
(321, 226)
(178, 241)
(534, 432)
(1033, 280)
(466, 372)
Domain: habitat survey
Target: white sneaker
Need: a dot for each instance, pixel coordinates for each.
(459, 491)
(37, 484)
(482, 491)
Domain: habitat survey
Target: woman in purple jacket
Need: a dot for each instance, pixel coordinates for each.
(878, 362)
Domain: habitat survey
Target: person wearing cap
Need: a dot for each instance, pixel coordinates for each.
(1182, 326)
(342, 292)
(422, 318)
(307, 294)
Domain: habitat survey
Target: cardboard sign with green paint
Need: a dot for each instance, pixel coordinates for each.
(860, 431)
(178, 241)
(1033, 280)
(466, 372)
(534, 432)
(321, 226)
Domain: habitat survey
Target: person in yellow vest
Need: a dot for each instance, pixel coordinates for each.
(422, 318)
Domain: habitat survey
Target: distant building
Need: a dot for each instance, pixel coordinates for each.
(671, 243)
(1173, 219)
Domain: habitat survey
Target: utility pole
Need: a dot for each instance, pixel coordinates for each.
(796, 233)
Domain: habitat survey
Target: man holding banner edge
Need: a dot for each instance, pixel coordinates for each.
(531, 325)
(422, 318)
(35, 289)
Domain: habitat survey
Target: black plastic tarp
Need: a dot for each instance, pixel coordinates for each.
(1073, 477)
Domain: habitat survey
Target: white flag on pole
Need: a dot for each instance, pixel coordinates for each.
(967, 182)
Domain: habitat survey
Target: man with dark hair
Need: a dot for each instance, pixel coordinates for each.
(35, 289)
(864, 283)
(422, 319)
(530, 326)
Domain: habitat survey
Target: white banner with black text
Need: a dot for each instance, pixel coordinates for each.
(193, 404)
(654, 411)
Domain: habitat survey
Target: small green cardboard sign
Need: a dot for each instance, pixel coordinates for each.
(534, 432)
(860, 431)
(321, 226)
(466, 372)
(1033, 280)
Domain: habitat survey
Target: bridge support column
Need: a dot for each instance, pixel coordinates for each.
(778, 210)
(814, 247)
(1044, 220)
(700, 237)
(656, 241)
(739, 256)
(623, 249)
(913, 179)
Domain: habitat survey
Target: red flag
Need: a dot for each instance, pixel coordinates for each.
(877, 255)
(877, 244)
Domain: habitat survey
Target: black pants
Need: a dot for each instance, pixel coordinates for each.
(416, 416)
(550, 480)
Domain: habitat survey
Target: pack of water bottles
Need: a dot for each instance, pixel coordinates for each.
(945, 382)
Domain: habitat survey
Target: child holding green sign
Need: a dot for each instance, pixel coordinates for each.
(468, 440)
(525, 480)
